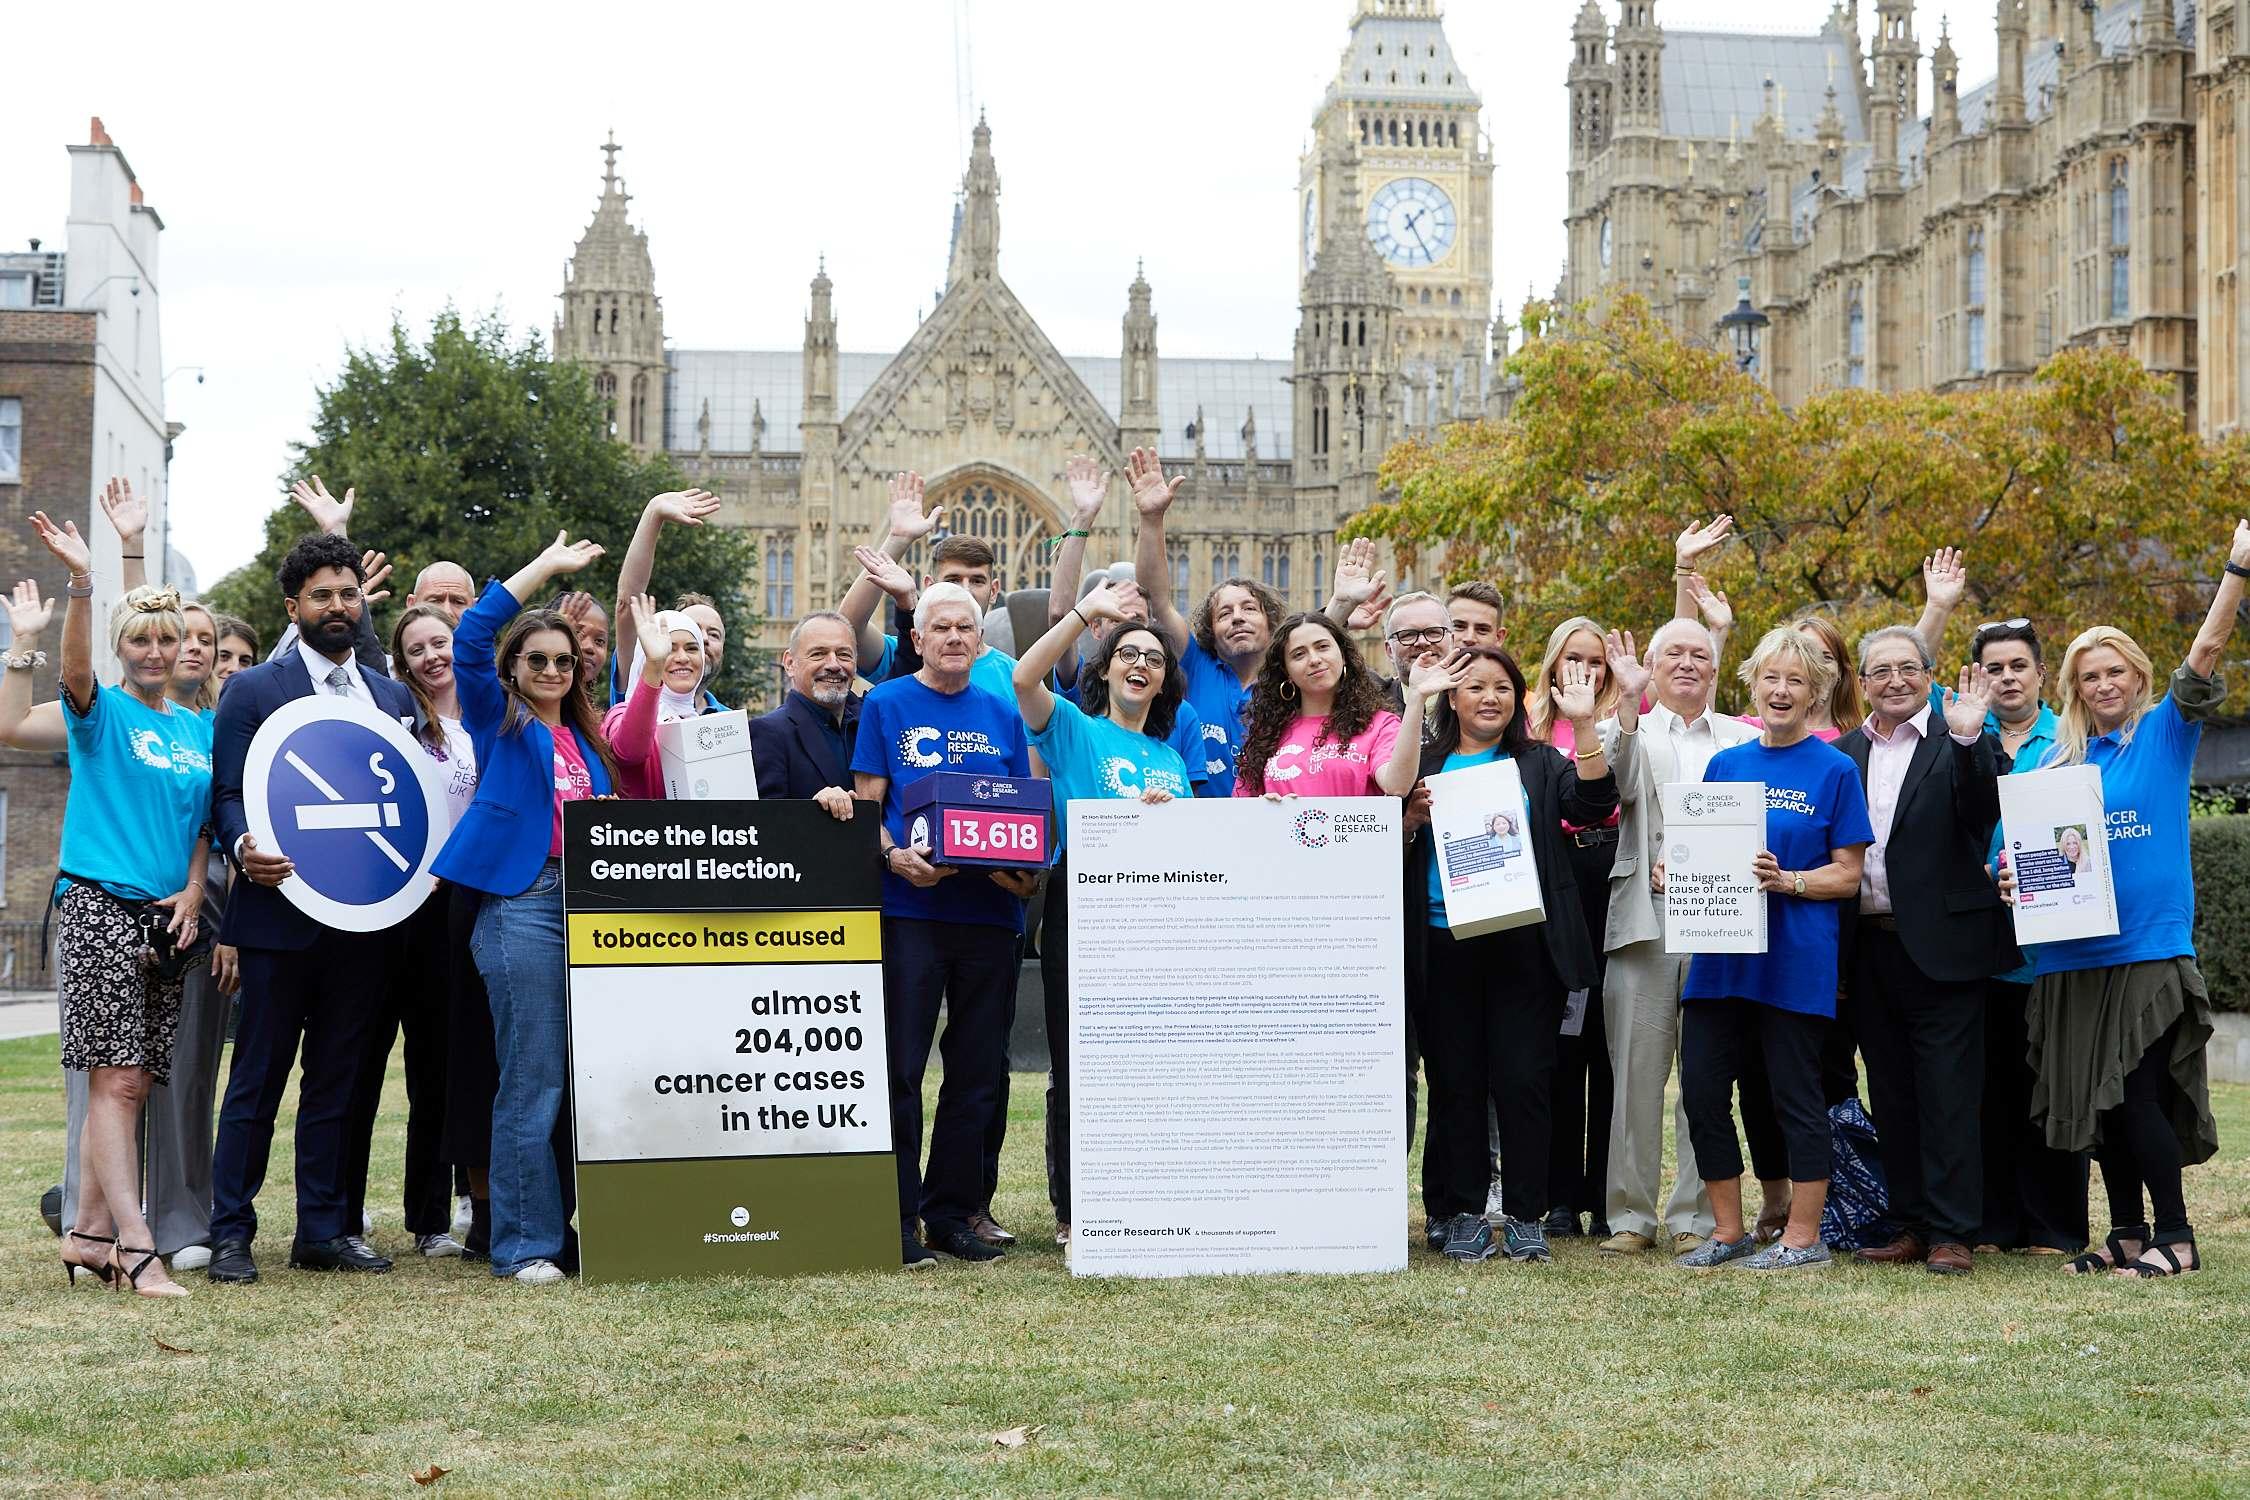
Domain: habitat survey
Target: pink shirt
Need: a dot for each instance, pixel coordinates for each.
(1332, 768)
(573, 783)
(1887, 763)
(631, 730)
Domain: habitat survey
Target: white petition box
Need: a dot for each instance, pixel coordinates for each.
(2055, 831)
(1485, 863)
(707, 758)
(1713, 832)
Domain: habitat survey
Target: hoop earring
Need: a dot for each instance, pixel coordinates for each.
(1288, 691)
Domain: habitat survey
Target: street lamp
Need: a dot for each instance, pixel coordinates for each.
(1744, 324)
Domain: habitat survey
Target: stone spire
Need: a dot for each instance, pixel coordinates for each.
(976, 237)
(1945, 80)
(2014, 28)
(612, 320)
(1138, 420)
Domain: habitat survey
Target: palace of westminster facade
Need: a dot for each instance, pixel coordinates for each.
(2090, 194)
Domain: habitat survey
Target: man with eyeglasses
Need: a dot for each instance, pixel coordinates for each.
(1931, 930)
(302, 982)
(2034, 1195)
(1415, 632)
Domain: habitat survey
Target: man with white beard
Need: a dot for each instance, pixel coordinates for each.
(804, 748)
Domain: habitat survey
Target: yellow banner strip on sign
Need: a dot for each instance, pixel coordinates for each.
(726, 937)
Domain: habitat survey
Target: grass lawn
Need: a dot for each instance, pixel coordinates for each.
(1587, 1376)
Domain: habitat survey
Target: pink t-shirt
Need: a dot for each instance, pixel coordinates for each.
(573, 783)
(1332, 768)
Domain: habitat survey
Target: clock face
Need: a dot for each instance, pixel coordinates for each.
(1312, 224)
(1411, 222)
(1605, 244)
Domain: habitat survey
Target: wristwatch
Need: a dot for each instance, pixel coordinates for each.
(1800, 878)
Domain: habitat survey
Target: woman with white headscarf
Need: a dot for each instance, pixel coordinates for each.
(667, 677)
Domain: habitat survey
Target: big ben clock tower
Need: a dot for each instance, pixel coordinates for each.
(1401, 116)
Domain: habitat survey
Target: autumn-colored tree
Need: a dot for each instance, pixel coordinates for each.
(2079, 499)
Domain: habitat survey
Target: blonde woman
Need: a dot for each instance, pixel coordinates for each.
(2118, 1024)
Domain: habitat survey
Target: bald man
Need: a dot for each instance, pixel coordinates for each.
(445, 584)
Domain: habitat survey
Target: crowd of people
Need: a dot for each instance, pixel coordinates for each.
(1993, 1074)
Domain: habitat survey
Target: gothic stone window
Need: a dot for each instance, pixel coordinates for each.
(605, 389)
(1010, 525)
(1177, 554)
(781, 576)
(2120, 241)
(1975, 300)
(1855, 338)
(1273, 568)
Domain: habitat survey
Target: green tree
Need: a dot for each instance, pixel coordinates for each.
(473, 446)
(2079, 499)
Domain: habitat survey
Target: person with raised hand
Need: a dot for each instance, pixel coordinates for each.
(139, 799)
(1945, 583)
(538, 746)
(688, 508)
(1223, 650)
(1315, 694)
(1110, 744)
(1361, 588)
(667, 684)
(1491, 1005)
(1088, 483)
(1931, 930)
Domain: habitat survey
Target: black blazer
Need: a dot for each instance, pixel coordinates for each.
(1950, 915)
(258, 916)
(792, 752)
(1553, 791)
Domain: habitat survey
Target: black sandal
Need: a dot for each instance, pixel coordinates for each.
(102, 1271)
(2172, 1266)
(2093, 1262)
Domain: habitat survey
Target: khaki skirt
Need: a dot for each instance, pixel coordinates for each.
(2090, 1027)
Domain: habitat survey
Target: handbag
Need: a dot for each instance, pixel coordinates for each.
(160, 952)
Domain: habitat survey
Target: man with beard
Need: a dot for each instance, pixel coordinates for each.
(301, 981)
(804, 747)
(1416, 632)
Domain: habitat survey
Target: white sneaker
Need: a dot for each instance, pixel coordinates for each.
(540, 1273)
(366, 1222)
(437, 1246)
(463, 1216)
(1494, 1214)
(191, 1257)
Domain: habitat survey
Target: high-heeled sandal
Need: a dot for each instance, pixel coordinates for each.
(101, 1270)
(133, 1275)
(2093, 1262)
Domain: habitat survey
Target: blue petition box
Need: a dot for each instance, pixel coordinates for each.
(996, 822)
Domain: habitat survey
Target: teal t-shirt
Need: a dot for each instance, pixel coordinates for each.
(1100, 758)
(2028, 755)
(1454, 762)
(140, 791)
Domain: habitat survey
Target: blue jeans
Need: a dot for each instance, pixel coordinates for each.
(518, 946)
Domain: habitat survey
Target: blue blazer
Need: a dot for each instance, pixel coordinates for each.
(502, 840)
(258, 916)
(793, 753)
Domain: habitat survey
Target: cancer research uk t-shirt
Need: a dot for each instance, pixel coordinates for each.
(907, 730)
(140, 787)
(1089, 758)
(1814, 805)
(1219, 698)
(1186, 737)
(1300, 767)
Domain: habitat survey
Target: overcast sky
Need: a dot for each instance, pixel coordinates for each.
(319, 167)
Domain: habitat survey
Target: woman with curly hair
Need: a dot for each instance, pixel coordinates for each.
(1316, 724)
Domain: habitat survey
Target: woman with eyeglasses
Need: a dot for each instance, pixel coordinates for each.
(1109, 745)
(538, 745)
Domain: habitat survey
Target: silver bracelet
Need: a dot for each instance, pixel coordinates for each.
(77, 590)
(25, 660)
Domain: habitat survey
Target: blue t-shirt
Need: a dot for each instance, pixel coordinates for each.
(1089, 758)
(994, 670)
(1219, 698)
(908, 730)
(1454, 762)
(140, 790)
(1814, 805)
(2028, 755)
(2145, 792)
(1186, 736)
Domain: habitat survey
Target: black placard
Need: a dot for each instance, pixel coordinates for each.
(719, 856)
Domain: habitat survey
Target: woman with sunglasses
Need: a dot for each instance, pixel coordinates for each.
(538, 745)
(1108, 745)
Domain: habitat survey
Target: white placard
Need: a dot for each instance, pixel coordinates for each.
(1237, 1037)
(1486, 866)
(2055, 832)
(1713, 832)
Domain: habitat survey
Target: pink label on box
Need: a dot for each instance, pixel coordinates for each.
(978, 833)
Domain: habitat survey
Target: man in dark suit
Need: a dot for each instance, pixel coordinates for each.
(1931, 930)
(301, 981)
(805, 746)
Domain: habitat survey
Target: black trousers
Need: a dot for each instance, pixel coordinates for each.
(1578, 1154)
(1923, 1039)
(1718, 1038)
(969, 971)
(1490, 1010)
(1761, 1126)
(472, 1065)
(324, 998)
(2033, 1194)
(417, 1000)
(2140, 1149)
(1054, 993)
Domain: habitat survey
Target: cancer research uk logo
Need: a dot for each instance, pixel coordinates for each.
(1693, 803)
(1311, 830)
(913, 746)
(706, 738)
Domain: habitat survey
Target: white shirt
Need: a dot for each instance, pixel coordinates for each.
(1888, 758)
(1693, 741)
(459, 766)
(355, 686)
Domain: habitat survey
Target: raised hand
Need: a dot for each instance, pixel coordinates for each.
(126, 511)
(1101, 603)
(2239, 554)
(1697, 540)
(331, 515)
(374, 571)
(886, 574)
(1967, 706)
(656, 641)
(1132, 601)
(1152, 492)
(1089, 486)
(1369, 613)
(1573, 692)
(64, 542)
(1625, 666)
(566, 556)
(908, 524)
(1944, 578)
(28, 614)
(1357, 578)
(684, 507)
(1709, 602)
(1434, 677)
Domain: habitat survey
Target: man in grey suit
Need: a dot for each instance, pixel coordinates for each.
(1674, 741)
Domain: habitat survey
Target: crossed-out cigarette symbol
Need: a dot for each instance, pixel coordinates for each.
(367, 816)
